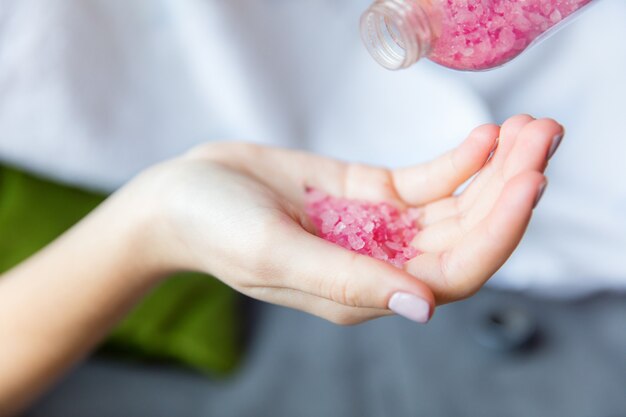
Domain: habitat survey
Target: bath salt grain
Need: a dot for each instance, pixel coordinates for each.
(379, 230)
(481, 34)
(467, 35)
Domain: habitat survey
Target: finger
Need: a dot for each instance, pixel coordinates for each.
(508, 134)
(441, 236)
(484, 250)
(329, 271)
(529, 153)
(317, 306)
(440, 178)
(437, 211)
(533, 146)
(364, 182)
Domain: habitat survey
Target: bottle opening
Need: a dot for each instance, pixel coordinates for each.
(391, 32)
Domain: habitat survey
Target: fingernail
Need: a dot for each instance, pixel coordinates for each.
(542, 189)
(410, 307)
(556, 141)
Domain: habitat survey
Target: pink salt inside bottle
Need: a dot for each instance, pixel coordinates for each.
(460, 34)
(379, 230)
(482, 34)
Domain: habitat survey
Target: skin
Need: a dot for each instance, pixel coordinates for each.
(235, 211)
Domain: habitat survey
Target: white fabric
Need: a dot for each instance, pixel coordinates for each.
(577, 240)
(91, 92)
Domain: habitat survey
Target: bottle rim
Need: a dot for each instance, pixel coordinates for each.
(390, 32)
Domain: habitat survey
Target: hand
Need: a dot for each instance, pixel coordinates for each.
(466, 238)
(237, 211)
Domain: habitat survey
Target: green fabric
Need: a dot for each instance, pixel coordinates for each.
(190, 319)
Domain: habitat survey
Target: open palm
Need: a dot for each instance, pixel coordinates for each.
(464, 238)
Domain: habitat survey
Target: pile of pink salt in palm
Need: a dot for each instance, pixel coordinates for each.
(378, 230)
(482, 34)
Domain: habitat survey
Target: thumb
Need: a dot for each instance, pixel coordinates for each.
(326, 270)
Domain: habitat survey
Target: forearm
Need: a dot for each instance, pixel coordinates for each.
(57, 305)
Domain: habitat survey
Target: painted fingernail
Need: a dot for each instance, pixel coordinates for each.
(410, 306)
(556, 141)
(542, 189)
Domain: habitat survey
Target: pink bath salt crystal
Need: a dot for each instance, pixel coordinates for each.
(380, 230)
(482, 34)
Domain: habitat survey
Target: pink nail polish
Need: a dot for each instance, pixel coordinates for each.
(410, 306)
(542, 189)
(556, 141)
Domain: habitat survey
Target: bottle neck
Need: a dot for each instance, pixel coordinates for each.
(397, 33)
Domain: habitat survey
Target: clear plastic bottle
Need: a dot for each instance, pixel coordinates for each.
(468, 35)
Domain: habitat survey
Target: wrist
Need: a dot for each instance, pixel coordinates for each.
(155, 218)
(129, 225)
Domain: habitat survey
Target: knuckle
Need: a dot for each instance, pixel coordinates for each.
(262, 249)
(344, 288)
(446, 270)
(358, 174)
(337, 290)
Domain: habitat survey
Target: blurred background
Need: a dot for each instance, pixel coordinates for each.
(94, 91)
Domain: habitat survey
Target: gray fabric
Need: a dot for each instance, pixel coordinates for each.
(302, 366)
